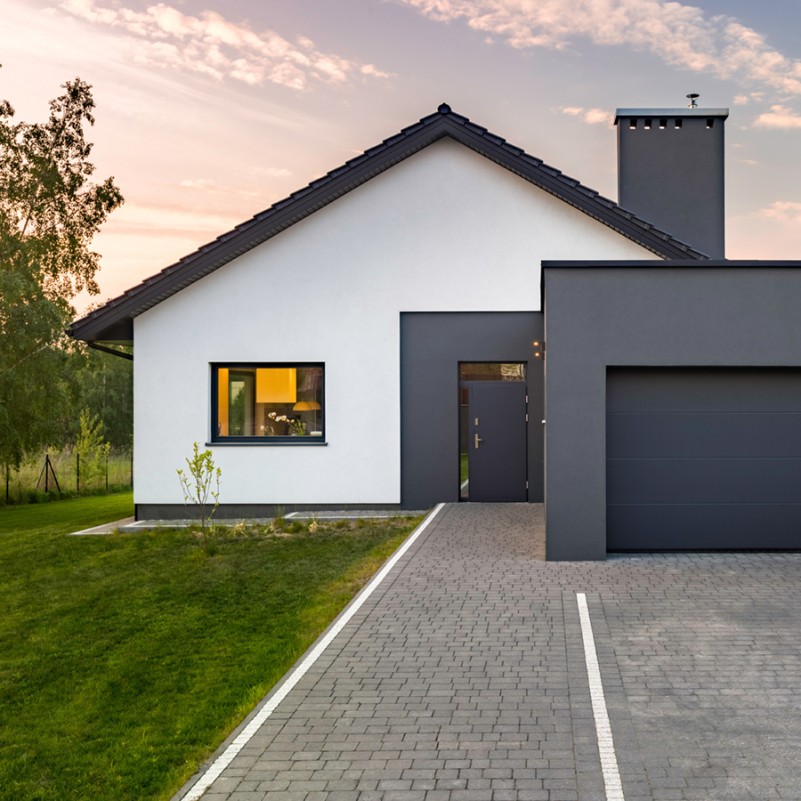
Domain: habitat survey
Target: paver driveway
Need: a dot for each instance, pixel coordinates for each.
(463, 677)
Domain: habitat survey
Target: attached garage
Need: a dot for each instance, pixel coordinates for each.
(703, 458)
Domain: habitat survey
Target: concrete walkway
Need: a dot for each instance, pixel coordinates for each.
(464, 676)
(103, 528)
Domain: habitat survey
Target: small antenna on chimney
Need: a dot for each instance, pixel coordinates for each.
(693, 97)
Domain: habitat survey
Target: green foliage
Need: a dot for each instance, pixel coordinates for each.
(201, 485)
(34, 391)
(105, 388)
(50, 210)
(92, 449)
(125, 660)
(49, 213)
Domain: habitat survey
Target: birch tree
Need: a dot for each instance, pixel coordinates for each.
(50, 210)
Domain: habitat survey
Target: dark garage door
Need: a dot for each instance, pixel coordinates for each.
(703, 458)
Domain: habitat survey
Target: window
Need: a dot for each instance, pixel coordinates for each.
(267, 403)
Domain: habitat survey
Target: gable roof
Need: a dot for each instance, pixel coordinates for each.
(114, 320)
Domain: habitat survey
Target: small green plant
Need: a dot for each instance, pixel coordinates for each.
(91, 449)
(201, 485)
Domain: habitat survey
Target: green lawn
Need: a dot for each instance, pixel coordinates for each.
(125, 660)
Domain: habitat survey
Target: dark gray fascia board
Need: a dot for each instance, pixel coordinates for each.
(627, 113)
(673, 263)
(114, 320)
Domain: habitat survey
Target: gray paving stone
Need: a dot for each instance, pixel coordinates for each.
(463, 677)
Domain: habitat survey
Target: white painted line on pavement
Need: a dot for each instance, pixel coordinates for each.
(216, 768)
(606, 746)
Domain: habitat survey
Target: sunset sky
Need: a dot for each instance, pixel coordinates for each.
(209, 111)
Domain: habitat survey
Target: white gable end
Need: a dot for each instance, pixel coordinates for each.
(444, 230)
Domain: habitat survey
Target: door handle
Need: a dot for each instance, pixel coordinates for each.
(477, 440)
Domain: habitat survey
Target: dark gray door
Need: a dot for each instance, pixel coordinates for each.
(497, 441)
(703, 458)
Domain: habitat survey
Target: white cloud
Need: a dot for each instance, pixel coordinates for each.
(682, 35)
(598, 116)
(276, 172)
(210, 185)
(199, 183)
(785, 211)
(212, 45)
(778, 117)
(370, 69)
(592, 116)
(158, 219)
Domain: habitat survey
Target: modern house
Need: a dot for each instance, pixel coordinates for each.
(446, 318)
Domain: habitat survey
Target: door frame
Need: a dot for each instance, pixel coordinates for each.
(467, 384)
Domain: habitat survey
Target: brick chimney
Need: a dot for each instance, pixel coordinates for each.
(670, 171)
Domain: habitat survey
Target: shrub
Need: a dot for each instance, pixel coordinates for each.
(201, 485)
(91, 448)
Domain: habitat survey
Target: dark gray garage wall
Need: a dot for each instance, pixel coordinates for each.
(432, 345)
(599, 315)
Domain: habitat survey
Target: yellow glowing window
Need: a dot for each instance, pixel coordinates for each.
(267, 402)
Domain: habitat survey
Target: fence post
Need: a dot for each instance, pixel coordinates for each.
(106, 472)
(8, 479)
(49, 464)
(77, 472)
(47, 472)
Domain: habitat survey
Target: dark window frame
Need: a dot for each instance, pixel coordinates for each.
(217, 439)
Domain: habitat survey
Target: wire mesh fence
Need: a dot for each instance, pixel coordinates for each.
(61, 473)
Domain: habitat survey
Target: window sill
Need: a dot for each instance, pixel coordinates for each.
(294, 442)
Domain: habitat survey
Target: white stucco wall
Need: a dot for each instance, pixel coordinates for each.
(445, 230)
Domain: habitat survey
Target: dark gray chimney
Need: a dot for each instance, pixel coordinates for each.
(670, 172)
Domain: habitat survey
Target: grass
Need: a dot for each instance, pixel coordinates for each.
(126, 659)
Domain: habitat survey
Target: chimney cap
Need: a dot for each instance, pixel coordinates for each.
(627, 113)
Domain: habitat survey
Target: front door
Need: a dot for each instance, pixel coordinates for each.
(496, 441)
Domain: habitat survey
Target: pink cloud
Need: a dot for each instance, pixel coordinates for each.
(592, 116)
(681, 35)
(778, 117)
(210, 44)
(785, 211)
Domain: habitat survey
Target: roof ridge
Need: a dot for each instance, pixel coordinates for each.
(340, 180)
